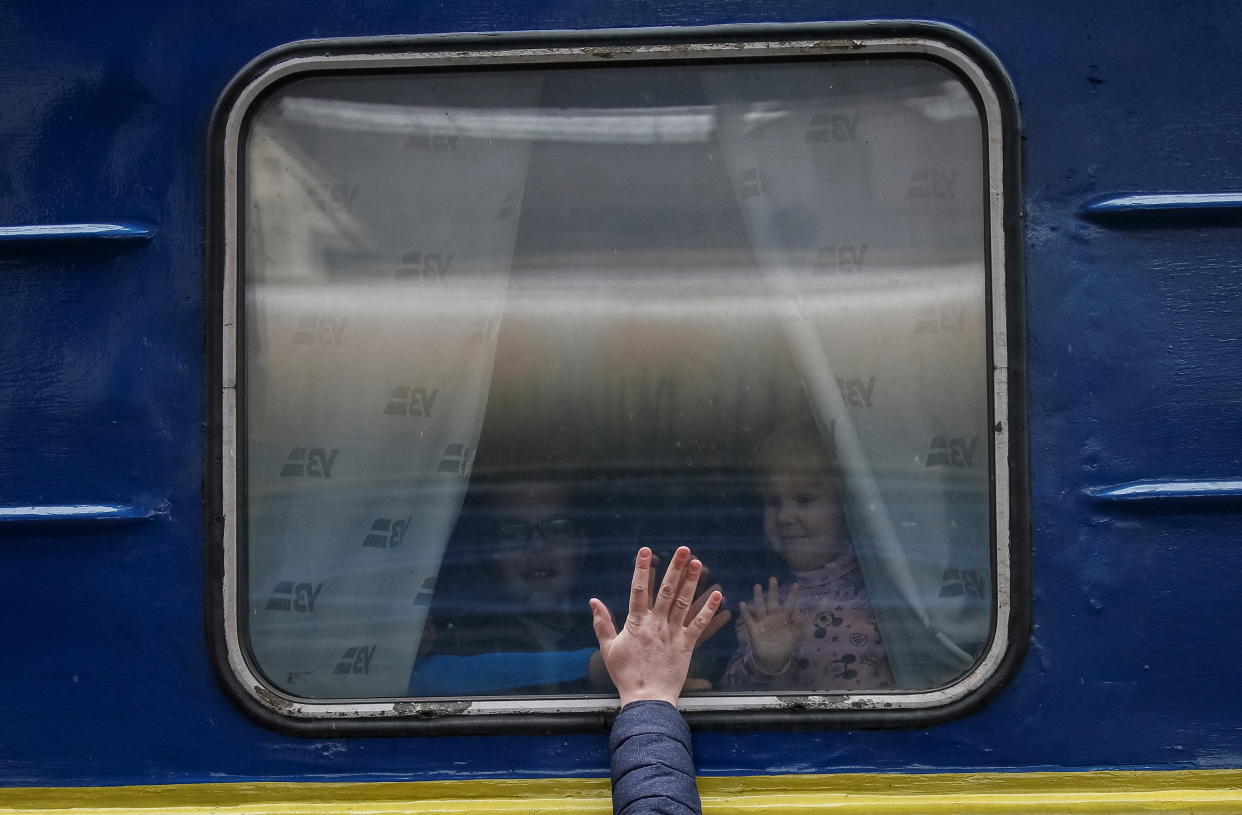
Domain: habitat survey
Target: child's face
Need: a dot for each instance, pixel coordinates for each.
(802, 520)
(538, 544)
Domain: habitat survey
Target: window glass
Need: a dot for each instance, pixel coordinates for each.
(502, 327)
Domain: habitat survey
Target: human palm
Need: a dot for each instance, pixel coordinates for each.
(650, 657)
(774, 627)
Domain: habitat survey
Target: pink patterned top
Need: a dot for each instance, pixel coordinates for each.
(840, 648)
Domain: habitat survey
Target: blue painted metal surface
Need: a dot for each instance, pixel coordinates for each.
(1135, 354)
(40, 233)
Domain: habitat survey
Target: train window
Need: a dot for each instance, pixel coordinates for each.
(501, 318)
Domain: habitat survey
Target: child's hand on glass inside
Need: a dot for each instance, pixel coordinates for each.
(774, 628)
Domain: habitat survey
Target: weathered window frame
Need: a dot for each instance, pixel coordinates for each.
(993, 93)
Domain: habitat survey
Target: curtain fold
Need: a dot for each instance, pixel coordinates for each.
(379, 244)
(863, 270)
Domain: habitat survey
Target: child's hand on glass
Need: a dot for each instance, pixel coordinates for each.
(774, 628)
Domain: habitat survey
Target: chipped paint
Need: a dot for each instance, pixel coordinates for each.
(430, 710)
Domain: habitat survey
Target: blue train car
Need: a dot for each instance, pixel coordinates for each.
(352, 347)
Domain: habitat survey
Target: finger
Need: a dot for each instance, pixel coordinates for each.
(694, 683)
(601, 621)
(791, 604)
(704, 580)
(682, 611)
(701, 593)
(749, 620)
(760, 604)
(700, 621)
(718, 622)
(672, 582)
(774, 595)
(640, 586)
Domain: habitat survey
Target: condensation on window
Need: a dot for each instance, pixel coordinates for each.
(504, 327)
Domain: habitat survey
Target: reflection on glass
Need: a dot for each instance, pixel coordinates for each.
(502, 328)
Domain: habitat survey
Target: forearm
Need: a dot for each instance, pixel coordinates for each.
(652, 763)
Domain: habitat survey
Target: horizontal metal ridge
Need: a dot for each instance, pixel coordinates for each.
(41, 233)
(1208, 207)
(1223, 490)
(79, 513)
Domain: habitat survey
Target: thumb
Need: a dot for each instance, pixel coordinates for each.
(601, 621)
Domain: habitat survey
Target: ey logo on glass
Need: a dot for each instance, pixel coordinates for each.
(291, 596)
(309, 462)
(423, 598)
(356, 660)
(936, 318)
(932, 184)
(426, 267)
(386, 533)
(408, 400)
(961, 583)
(315, 329)
(455, 460)
(955, 452)
(483, 331)
(840, 258)
(834, 127)
(336, 197)
(752, 183)
(856, 392)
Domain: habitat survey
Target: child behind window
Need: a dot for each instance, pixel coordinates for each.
(817, 632)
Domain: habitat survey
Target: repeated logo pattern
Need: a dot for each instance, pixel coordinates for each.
(952, 452)
(938, 318)
(309, 462)
(962, 582)
(432, 267)
(456, 459)
(386, 533)
(356, 660)
(291, 596)
(834, 127)
(857, 392)
(840, 258)
(408, 400)
(335, 197)
(932, 184)
(314, 329)
(427, 267)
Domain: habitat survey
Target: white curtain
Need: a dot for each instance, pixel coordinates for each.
(863, 204)
(380, 227)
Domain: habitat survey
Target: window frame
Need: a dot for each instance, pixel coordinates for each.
(225, 442)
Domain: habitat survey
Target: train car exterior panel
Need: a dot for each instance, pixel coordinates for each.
(1124, 700)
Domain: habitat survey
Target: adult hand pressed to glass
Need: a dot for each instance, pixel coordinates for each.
(597, 671)
(652, 766)
(650, 657)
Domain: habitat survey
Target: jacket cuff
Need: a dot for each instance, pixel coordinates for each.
(649, 716)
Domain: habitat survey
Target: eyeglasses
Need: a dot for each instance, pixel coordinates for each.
(513, 535)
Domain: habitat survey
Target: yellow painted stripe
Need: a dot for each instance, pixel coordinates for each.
(1192, 792)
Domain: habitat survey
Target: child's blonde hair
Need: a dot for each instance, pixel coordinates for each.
(796, 448)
